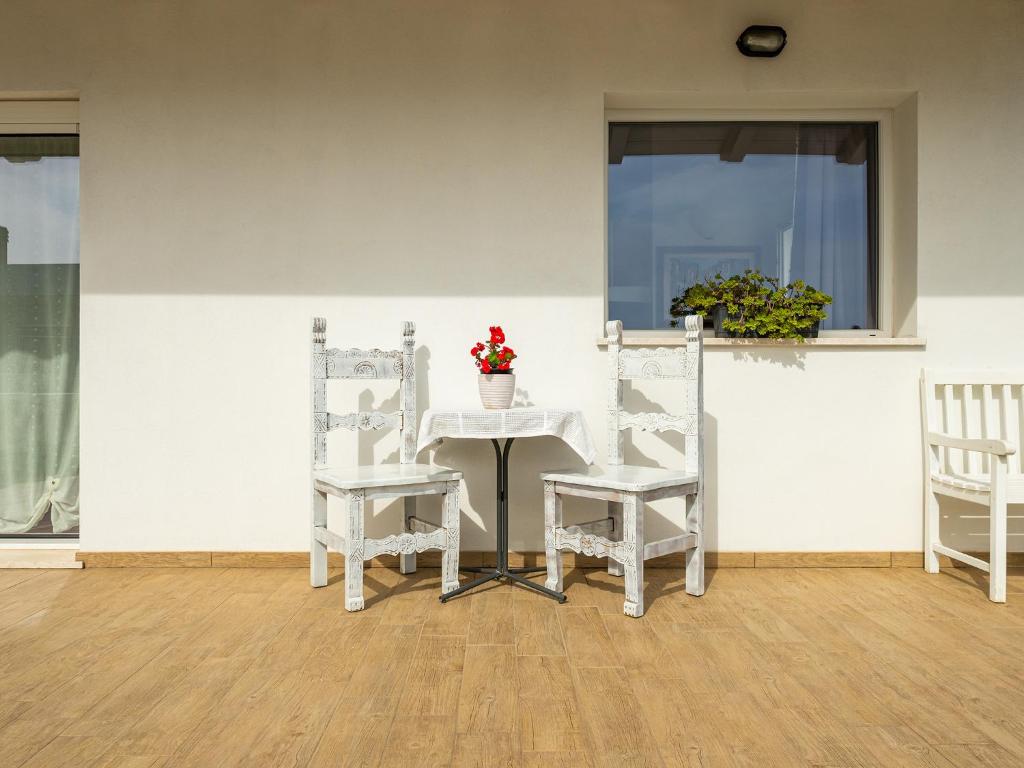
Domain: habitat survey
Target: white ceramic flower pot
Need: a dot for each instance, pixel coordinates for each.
(497, 389)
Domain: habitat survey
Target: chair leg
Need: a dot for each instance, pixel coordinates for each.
(552, 520)
(407, 563)
(317, 549)
(931, 530)
(354, 552)
(997, 531)
(615, 513)
(695, 556)
(633, 533)
(450, 522)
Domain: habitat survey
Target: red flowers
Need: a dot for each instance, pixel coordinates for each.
(493, 357)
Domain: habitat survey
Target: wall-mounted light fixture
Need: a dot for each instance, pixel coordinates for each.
(760, 40)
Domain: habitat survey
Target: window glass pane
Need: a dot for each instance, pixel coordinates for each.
(689, 200)
(39, 290)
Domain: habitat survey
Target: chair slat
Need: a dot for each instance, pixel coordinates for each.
(364, 420)
(1008, 427)
(1015, 431)
(972, 428)
(364, 364)
(947, 424)
(658, 422)
(989, 426)
(660, 363)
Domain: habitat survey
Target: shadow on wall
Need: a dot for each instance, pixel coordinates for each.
(786, 357)
(522, 399)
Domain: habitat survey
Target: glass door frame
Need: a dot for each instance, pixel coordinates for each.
(52, 118)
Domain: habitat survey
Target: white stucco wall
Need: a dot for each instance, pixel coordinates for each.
(246, 165)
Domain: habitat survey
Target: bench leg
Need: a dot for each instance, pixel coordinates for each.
(552, 520)
(354, 552)
(317, 549)
(997, 531)
(931, 530)
(450, 522)
(633, 533)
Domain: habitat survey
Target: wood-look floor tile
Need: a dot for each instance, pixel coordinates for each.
(177, 667)
(487, 697)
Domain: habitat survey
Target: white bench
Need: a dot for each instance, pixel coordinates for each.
(972, 423)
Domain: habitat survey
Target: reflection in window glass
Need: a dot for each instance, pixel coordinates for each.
(39, 290)
(689, 200)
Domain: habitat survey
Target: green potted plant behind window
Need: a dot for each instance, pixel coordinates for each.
(753, 305)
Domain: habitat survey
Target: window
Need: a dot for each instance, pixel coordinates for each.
(39, 335)
(796, 200)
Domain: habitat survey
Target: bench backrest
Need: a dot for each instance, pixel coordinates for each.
(973, 404)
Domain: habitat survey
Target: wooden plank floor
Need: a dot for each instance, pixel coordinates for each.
(139, 668)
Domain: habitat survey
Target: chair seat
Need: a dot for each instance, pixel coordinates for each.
(378, 475)
(981, 484)
(623, 477)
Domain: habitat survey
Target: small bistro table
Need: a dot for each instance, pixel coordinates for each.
(508, 424)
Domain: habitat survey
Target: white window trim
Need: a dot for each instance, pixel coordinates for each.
(886, 211)
(39, 115)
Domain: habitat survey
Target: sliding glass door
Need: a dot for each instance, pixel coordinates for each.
(39, 292)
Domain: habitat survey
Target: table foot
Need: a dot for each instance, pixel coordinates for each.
(469, 585)
(491, 574)
(560, 597)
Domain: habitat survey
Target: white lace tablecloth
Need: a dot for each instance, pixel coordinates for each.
(567, 425)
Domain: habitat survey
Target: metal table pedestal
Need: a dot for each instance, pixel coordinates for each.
(503, 571)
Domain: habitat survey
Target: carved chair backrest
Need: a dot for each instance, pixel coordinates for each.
(972, 404)
(363, 364)
(683, 363)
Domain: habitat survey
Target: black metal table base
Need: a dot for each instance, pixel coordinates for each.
(502, 571)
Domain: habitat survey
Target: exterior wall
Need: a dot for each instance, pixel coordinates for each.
(246, 165)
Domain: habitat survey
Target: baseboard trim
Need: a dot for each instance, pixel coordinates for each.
(823, 560)
(38, 558)
(520, 559)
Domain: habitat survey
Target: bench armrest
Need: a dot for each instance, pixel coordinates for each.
(982, 444)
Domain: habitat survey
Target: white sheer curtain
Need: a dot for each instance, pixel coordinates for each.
(830, 240)
(39, 290)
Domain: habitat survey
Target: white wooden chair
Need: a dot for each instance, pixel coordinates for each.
(360, 484)
(972, 423)
(628, 488)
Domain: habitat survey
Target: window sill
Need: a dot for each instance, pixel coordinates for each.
(640, 339)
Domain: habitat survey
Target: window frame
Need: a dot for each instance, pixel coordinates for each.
(45, 117)
(884, 212)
